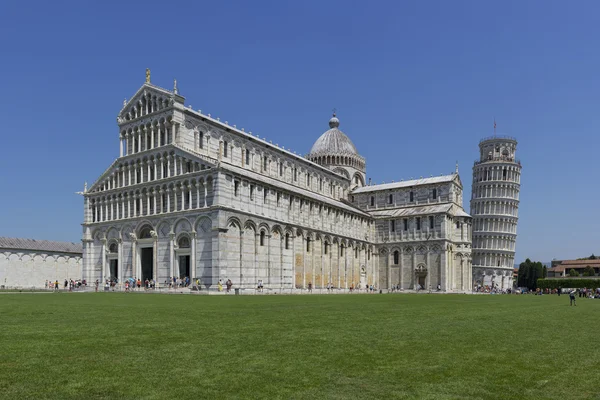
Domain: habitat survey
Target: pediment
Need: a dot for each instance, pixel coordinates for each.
(457, 180)
(160, 98)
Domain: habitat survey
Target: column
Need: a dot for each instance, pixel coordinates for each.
(147, 203)
(193, 258)
(346, 268)
(390, 260)
(205, 193)
(103, 255)
(155, 194)
(429, 270)
(168, 200)
(134, 257)
(401, 268)
(321, 274)
(169, 166)
(173, 132)
(120, 146)
(197, 194)
(154, 256)
(120, 262)
(412, 270)
(162, 203)
(171, 254)
(135, 197)
(151, 136)
(190, 204)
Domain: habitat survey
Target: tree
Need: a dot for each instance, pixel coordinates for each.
(593, 257)
(529, 273)
(589, 271)
(572, 272)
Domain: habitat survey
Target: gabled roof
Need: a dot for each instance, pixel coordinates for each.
(291, 188)
(41, 245)
(150, 87)
(409, 211)
(403, 184)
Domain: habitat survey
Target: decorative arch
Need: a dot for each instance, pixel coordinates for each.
(235, 222)
(141, 225)
(250, 225)
(203, 224)
(263, 226)
(112, 233)
(182, 225)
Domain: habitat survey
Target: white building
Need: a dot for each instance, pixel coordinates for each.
(26, 263)
(190, 195)
(495, 207)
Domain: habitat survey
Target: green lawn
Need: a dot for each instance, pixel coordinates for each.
(107, 345)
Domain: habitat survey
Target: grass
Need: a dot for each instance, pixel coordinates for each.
(107, 345)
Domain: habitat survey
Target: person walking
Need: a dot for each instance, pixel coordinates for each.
(572, 298)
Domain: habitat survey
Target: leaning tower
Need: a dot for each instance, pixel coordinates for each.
(494, 207)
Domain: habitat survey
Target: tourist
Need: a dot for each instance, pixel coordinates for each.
(97, 284)
(310, 287)
(229, 285)
(56, 287)
(572, 298)
(46, 284)
(220, 286)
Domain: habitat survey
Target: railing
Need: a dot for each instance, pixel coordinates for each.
(503, 159)
(495, 137)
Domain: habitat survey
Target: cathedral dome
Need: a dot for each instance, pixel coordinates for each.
(333, 142)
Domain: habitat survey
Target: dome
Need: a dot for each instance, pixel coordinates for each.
(333, 142)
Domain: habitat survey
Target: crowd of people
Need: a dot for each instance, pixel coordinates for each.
(68, 283)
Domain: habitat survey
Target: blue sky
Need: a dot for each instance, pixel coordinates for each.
(416, 85)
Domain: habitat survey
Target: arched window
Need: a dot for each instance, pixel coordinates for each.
(372, 201)
(112, 248)
(287, 241)
(396, 257)
(262, 238)
(184, 242)
(326, 249)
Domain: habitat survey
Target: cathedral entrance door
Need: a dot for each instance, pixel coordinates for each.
(421, 275)
(146, 260)
(184, 266)
(114, 269)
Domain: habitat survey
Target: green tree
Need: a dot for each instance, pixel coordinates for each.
(593, 257)
(572, 272)
(529, 273)
(589, 271)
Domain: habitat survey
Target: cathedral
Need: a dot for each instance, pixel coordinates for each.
(193, 196)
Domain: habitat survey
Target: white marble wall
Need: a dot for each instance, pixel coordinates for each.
(26, 268)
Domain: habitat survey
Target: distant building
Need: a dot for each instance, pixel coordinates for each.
(562, 270)
(29, 262)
